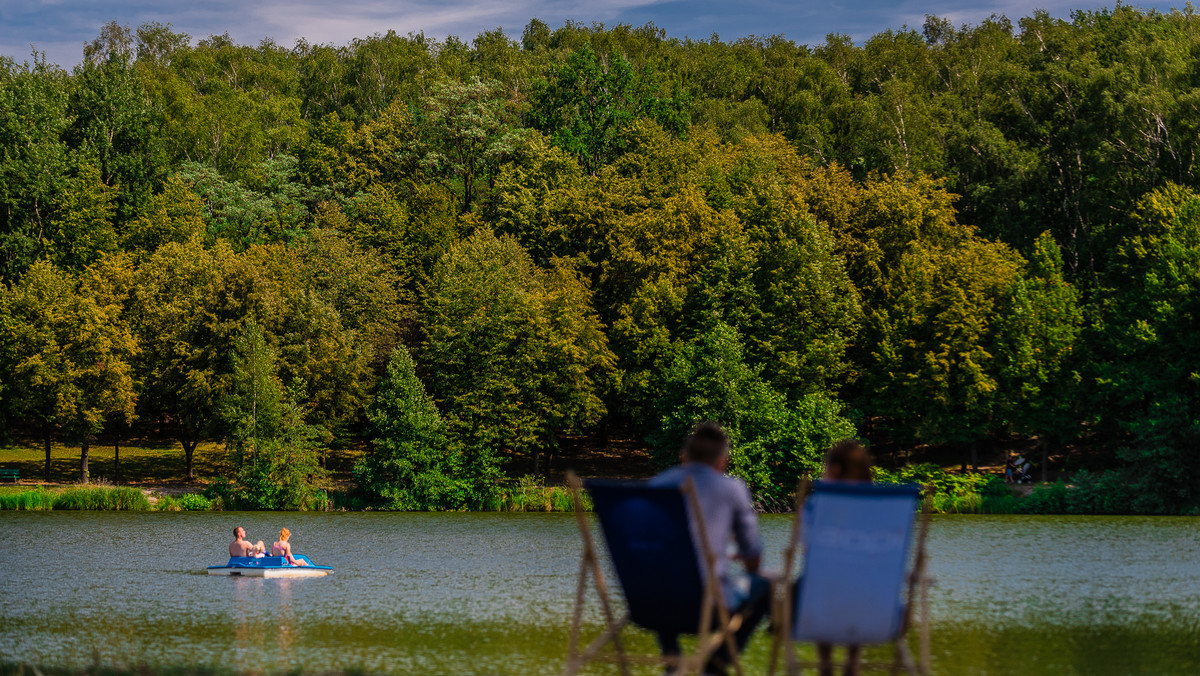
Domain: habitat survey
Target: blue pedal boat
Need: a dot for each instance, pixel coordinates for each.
(268, 566)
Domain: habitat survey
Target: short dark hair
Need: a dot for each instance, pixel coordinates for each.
(235, 530)
(707, 443)
(848, 460)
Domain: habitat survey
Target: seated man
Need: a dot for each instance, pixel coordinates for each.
(242, 547)
(728, 515)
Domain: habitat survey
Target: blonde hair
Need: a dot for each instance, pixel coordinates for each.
(284, 535)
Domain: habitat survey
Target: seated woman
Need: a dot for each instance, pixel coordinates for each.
(282, 547)
(847, 460)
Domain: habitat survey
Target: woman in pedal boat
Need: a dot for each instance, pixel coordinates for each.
(282, 547)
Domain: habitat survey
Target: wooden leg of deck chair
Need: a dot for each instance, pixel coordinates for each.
(789, 653)
(729, 629)
(778, 634)
(783, 598)
(915, 582)
(609, 634)
(904, 657)
(592, 562)
(703, 632)
(573, 659)
(926, 649)
(609, 618)
(573, 663)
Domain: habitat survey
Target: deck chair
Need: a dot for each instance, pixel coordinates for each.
(665, 576)
(856, 587)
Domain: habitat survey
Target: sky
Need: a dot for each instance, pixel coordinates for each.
(61, 27)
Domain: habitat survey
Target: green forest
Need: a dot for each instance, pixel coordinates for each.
(459, 253)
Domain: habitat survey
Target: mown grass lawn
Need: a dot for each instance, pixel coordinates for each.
(147, 461)
(144, 460)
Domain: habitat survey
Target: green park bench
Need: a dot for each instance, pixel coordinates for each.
(13, 474)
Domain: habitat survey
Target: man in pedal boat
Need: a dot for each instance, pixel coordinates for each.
(242, 547)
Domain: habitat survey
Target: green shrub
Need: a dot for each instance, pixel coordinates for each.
(1046, 499)
(282, 474)
(1000, 504)
(166, 503)
(188, 502)
(1105, 493)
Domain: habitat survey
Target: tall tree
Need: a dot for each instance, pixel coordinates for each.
(587, 104)
(1145, 380)
(463, 133)
(515, 354)
(70, 359)
(35, 162)
(412, 464)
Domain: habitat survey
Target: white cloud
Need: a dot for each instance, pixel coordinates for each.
(60, 27)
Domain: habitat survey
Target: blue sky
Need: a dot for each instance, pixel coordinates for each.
(60, 27)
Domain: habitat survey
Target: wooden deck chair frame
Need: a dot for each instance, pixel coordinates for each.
(709, 638)
(917, 594)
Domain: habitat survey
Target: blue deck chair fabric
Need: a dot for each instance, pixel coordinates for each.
(648, 532)
(856, 539)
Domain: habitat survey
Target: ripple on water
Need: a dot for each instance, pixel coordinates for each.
(492, 593)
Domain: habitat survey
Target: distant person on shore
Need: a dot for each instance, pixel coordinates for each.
(1010, 468)
(242, 547)
(728, 516)
(282, 547)
(847, 460)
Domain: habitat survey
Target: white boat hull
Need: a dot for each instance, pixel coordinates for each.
(269, 572)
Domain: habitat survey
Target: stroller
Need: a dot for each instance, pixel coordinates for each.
(1022, 474)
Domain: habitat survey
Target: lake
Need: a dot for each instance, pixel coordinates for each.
(492, 593)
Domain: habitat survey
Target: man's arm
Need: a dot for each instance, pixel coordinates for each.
(745, 530)
(752, 563)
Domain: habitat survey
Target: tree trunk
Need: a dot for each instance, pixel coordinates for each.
(117, 453)
(1045, 457)
(537, 454)
(46, 439)
(189, 448)
(974, 456)
(83, 461)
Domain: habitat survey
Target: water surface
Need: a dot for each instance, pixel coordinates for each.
(492, 593)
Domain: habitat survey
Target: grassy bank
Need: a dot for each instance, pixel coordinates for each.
(988, 493)
(949, 493)
(95, 498)
(522, 498)
(946, 494)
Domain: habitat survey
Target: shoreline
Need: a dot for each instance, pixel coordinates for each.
(1049, 499)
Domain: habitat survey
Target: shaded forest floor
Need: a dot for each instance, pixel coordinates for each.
(158, 464)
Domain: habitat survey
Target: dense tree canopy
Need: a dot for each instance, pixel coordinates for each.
(942, 235)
